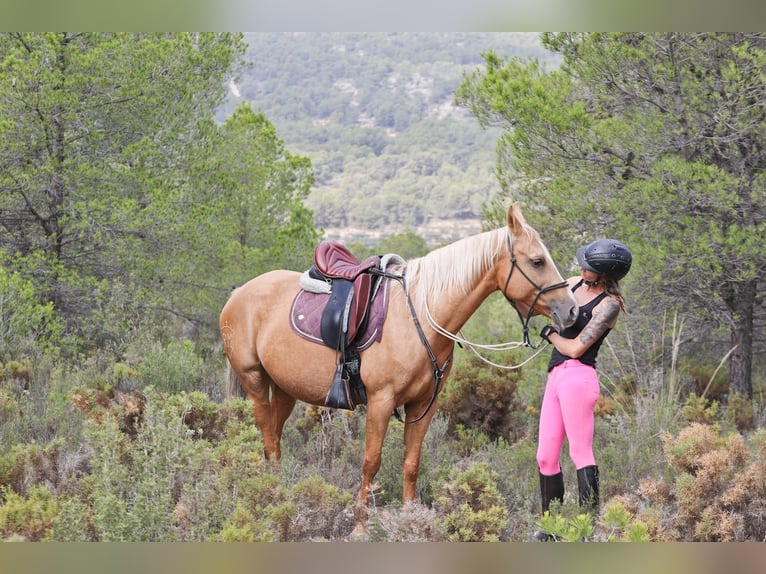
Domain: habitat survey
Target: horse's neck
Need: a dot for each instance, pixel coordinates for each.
(458, 280)
(455, 308)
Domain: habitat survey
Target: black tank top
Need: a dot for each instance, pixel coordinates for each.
(583, 317)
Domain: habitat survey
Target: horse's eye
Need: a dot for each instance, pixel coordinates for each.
(539, 262)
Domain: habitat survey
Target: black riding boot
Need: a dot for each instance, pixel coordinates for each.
(551, 488)
(587, 483)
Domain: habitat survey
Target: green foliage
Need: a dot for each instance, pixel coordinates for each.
(619, 524)
(26, 325)
(71, 522)
(172, 367)
(484, 398)
(27, 518)
(32, 407)
(700, 410)
(389, 147)
(603, 155)
(78, 201)
(24, 466)
(241, 526)
(317, 511)
(135, 463)
(472, 506)
(249, 216)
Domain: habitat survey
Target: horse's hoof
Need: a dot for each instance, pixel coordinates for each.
(359, 534)
(541, 536)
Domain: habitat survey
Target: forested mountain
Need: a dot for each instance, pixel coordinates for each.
(375, 114)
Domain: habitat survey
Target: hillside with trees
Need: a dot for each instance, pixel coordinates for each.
(375, 114)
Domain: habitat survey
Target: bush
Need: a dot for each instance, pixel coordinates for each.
(172, 367)
(413, 522)
(27, 518)
(26, 326)
(717, 491)
(471, 506)
(484, 398)
(315, 511)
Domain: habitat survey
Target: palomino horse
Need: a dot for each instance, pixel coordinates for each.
(275, 366)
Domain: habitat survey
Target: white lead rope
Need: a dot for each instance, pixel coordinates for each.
(507, 367)
(510, 345)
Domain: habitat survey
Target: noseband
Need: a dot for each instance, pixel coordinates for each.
(540, 291)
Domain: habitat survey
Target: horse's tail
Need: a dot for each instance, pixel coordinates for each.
(233, 389)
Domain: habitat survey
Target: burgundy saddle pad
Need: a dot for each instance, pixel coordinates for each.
(306, 316)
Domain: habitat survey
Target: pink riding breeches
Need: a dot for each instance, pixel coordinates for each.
(567, 412)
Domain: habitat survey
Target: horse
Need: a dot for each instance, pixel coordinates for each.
(407, 367)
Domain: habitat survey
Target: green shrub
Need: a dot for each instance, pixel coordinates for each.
(698, 409)
(72, 522)
(241, 526)
(707, 380)
(26, 466)
(172, 367)
(471, 506)
(316, 511)
(196, 410)
(136, 483)
(576, 529)
(27, 518)
(27, 327)
(619, 524)
(484, 399)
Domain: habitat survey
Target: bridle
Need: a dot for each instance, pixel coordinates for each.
(540, 291)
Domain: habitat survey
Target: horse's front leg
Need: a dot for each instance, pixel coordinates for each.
(414, 434)
(378, 416)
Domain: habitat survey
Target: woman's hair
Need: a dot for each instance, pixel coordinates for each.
(612, 288)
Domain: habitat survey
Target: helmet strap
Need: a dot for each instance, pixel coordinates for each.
(592, 283)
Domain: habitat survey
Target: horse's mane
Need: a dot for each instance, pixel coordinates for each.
(457, 265)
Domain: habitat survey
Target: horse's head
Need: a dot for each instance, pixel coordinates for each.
(528, 277)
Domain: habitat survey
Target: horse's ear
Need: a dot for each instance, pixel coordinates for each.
(515, 219)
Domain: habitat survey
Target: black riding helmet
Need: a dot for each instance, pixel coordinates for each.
(607, 257)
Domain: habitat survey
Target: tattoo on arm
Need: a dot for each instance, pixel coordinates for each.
(600, 322)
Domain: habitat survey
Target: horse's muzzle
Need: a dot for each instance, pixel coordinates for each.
(564, 316)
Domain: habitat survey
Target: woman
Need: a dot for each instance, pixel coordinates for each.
(573, 387)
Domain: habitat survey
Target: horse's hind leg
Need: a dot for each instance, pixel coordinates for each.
(282, 406)
(257, 385)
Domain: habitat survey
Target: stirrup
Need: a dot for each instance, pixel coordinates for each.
(339, 396)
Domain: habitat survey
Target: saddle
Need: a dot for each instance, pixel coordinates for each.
(352, 287)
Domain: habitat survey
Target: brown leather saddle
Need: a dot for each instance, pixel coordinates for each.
(352, 288)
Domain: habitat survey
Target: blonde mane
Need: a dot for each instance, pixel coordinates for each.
(458, 265)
